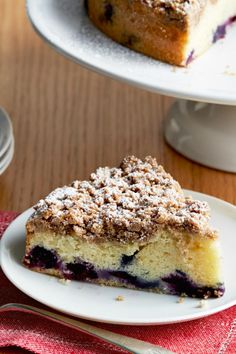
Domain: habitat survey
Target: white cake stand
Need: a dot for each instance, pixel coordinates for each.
(201, 124)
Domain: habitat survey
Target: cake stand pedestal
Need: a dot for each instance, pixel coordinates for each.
(203, 132)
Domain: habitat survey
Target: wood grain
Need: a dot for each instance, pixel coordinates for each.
(68, 120)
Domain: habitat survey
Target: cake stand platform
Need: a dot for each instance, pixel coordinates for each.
(201, 124)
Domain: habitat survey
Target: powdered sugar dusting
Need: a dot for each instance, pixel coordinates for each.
(126, 203)
(179, 7)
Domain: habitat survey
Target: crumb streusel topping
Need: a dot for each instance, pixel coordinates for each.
(126, 204)
(179, 6)
(178, 9)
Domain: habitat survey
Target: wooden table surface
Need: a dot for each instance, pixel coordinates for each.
(68, 120)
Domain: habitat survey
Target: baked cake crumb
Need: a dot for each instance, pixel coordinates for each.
(202, 304)
(120, 298)
(180, 300)
(64, 281)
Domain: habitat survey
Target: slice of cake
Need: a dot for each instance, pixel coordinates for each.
(174, 31)
(130, 226)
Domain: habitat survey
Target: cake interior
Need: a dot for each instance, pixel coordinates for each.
(168, 264)
(212, 26)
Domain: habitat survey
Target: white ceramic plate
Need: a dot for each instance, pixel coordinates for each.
(5, 132)
(6, 159)
(98, 303)
(65, 26)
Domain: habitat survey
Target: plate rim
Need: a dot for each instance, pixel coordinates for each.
(10, 131)
(208, 96)
(8, 158)
(137, 322)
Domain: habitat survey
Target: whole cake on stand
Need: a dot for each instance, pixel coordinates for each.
(202, 124)
(174, 31)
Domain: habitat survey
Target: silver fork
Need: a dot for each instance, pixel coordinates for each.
(135, 346)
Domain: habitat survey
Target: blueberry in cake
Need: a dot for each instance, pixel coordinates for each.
(174, 31)
(130, 226)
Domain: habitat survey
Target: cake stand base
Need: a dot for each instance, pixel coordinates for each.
(203, 132)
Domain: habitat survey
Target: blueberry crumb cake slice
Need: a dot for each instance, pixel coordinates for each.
(174, 31)
(130, 226)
